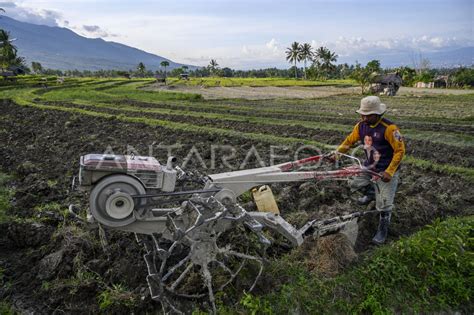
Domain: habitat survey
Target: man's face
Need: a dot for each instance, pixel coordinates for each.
(370, 119)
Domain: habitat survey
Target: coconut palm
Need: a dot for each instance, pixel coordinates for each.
(325, 59)
(293, 55)
(306, 53)
(164, 64)
(213, 66)
(141, 68)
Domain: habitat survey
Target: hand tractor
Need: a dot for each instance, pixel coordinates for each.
(189, 250)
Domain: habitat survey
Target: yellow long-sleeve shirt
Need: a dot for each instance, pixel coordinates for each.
(391, 134)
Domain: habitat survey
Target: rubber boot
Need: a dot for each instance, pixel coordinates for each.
(382, 230)
(368, 196)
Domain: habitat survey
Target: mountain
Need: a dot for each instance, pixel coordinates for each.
(60, 48)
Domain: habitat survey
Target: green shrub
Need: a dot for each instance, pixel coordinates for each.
(464, 77)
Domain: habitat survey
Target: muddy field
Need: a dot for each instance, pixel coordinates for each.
(53, 263)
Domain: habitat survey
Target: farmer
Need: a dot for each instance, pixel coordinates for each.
(384, 149)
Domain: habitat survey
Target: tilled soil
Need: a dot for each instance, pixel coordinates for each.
(412, 122)
(53, 264)
(439, 153)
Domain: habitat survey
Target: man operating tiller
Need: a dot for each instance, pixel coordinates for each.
(384, 149)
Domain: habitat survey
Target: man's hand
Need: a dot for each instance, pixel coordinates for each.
(386, 177)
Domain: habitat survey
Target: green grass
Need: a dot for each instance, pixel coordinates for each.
(114, 92)
(444, 109)
(430, 271)
(465, 172)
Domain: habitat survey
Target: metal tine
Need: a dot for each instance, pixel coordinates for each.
(163, 257)
(208, 279)
(150, 263)
(233, 275)
(171, 306)
(172, 270)
(156, 294)
(234, 253)
(159, 250)
(258, 276)
(198, 220)
(181, 276)
(184, 295)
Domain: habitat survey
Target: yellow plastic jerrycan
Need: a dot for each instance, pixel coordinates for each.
(263, 197)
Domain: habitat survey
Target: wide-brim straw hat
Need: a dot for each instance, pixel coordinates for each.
(371, 105)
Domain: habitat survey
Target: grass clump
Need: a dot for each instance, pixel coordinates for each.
(116, 296)
(6, 308)
(430, 271)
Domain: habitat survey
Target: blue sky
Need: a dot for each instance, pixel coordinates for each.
(254, 34)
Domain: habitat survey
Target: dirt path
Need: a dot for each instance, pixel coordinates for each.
(259, 93)
(298, 92)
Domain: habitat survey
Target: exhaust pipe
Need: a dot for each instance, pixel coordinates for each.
(170, 163)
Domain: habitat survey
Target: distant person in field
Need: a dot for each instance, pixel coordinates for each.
(384, 149)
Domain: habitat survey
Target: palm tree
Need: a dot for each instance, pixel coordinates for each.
(306, 53)
(164, 64)
(141, 68)
(8, 52)
(325, 59)
(293, 54)
(213, 66)
(5, 38)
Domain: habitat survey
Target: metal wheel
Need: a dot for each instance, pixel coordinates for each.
(111, 202)
(205, 255)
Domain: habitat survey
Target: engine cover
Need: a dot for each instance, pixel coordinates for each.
(153, 175)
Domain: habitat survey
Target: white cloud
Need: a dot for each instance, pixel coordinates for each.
(96, 31)
(273, 46)
(31, 15)
(358, 45)
(269, 50)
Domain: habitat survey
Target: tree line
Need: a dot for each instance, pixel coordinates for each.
(322, 67)
(363, 74)
(322, 60)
